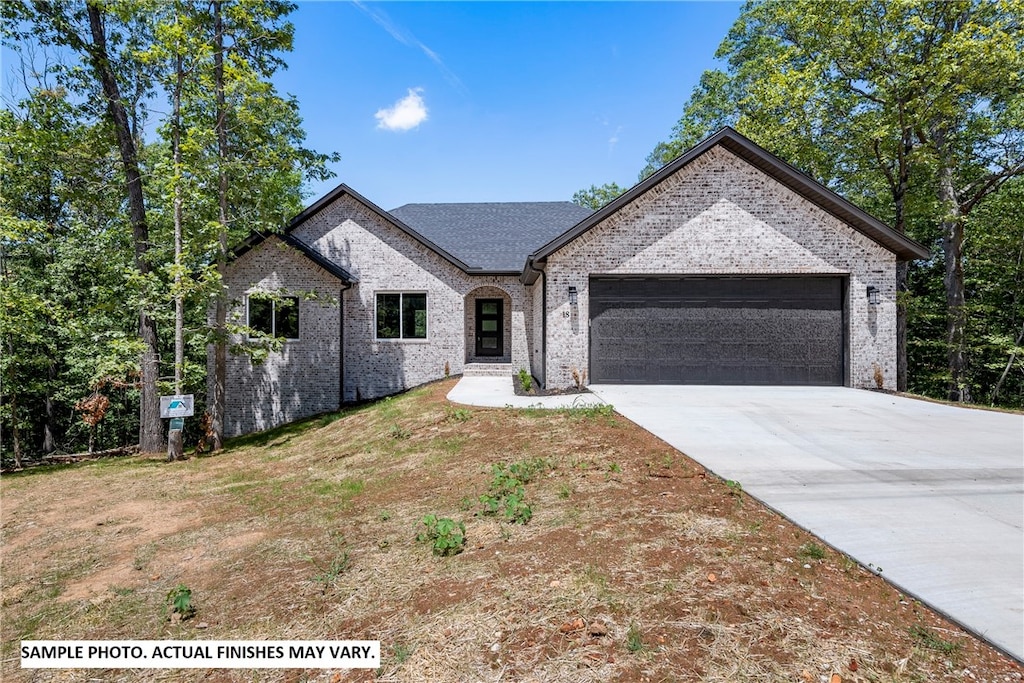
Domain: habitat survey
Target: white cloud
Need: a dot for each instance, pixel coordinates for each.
(406, 114)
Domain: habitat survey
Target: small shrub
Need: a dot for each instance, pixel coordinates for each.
(179, 599)
(506, 493)
(446, 536)
(526, 380)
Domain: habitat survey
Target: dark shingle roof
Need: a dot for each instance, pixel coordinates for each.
(491, 236)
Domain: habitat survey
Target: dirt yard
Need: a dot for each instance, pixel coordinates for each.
(635, 564)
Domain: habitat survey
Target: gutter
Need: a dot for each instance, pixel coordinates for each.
(341, 343)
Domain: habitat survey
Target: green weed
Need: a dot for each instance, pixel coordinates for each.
(179, 599)
(398, 433)
(927, 638)
(453, 414)
(446, 536)
(634, 638)
(330, 573)
(812, 551)
(402, 652)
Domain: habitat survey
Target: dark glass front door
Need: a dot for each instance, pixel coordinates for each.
(490, 315)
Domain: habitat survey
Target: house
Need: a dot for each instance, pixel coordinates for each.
(727, 266)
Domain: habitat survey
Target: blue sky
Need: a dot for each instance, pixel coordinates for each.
(480, 101)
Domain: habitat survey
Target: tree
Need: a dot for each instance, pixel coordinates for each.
(595, 197)
(921, 99)
(63, 334)
(85, 31)
(226, 160)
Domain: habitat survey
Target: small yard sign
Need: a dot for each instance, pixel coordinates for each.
(180, 405)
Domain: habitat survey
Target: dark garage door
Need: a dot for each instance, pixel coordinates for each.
(664, 330)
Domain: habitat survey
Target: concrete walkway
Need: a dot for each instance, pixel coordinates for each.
(932, 495)
(497, 392)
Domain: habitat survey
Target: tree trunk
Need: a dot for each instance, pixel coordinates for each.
(175, 443)
(150, 429)
(953, 279)
(48, 441)
(902, 287)
(15, 432)
(220, 353)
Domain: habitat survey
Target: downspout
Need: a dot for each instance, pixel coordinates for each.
(341, 344)
(532, 269)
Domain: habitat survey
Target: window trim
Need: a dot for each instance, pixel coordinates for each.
(273, 314)
(401, 322)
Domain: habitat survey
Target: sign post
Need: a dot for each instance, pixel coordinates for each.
(178, 405)
(177, 408)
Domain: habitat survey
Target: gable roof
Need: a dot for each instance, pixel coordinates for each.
(309, 252)
(314, 208)
(495, 236)
(797, 181)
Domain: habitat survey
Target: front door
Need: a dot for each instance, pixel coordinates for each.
(490, 316)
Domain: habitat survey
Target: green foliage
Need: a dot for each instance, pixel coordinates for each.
(506, 493)
(453, 414)
(402, 652)
(595, 197)
(70, 276)
(927, 638)
(915, 112)
(634, 638)
(812, 551)
(336, 567)
(446, 536)
(525, 379)
(603, 411)
(398, 433)
(179, 599)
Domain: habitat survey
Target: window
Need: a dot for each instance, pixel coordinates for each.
(401, 315)
(274, 317)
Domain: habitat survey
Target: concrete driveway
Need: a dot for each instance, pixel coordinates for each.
(932, 495)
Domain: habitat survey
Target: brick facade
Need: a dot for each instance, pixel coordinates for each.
(304, 378)
(716, 215)
(719, 215)
(301, 379)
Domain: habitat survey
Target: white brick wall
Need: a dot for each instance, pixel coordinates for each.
(720, 215)
(303, 380)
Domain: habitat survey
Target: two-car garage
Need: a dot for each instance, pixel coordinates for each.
(717, 330)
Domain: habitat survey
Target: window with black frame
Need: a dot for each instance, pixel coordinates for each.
(274, 316)
(401, 315)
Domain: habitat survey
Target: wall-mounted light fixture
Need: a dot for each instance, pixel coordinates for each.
(572, 296)
(873, 295)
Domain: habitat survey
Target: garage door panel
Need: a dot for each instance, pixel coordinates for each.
(717, 330)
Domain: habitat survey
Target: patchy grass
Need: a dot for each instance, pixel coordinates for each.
(634, 565)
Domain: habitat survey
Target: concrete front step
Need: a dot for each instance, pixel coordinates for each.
(487, 370)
